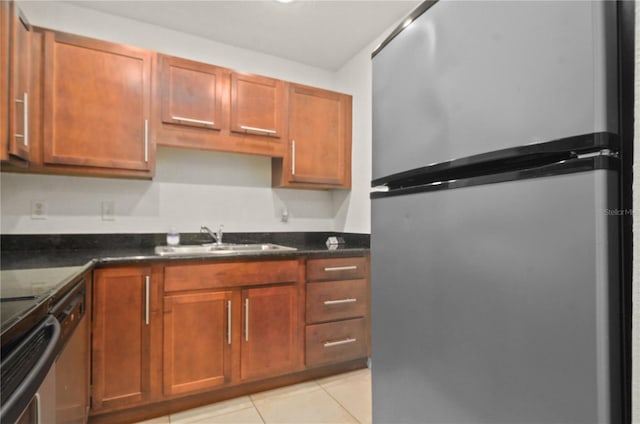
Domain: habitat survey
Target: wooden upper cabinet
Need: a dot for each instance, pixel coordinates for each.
(4, 79)
(212, 108)
(190, 93)
(257, 105)
(97, 99)
(15, 60)
(319, 154)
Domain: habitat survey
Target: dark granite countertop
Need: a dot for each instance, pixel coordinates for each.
(27, 295)
(47, 251)
(57, 255)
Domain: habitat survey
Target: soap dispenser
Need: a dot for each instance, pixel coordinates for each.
(173, 237)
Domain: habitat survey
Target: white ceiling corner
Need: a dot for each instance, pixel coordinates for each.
(320, 33)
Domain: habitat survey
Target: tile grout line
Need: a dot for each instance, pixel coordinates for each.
(264, 421)
(205, 419)
(339, 403)
(257, 410)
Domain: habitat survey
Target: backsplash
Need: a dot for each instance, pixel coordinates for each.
(190, 189)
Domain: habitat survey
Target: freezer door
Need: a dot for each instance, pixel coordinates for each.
(468, 77)
(497, 303)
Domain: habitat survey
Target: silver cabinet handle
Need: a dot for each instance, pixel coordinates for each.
(339, 342)
(25, 118)
(293, 157)
(228, 322)
(340, 268)
(146, 299)
(256, 129)
(337, 302)
(246, 320)
(146, 140)
(193, 121)
(25, 114)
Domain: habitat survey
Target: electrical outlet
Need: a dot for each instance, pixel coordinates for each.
(284, 214)
(108, 210)
(38, 209)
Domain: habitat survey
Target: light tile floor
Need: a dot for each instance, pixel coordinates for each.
(343, 398)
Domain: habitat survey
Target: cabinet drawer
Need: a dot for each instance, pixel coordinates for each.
(336, 269)
(336, 341)
(334, 300)
(229, 274)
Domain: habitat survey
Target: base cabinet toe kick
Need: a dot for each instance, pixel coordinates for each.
(181, 334)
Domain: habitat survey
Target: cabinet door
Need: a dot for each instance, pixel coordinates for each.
(121, 337)
(191, 93)
(270, 332)
(96, 104)
(19, 53)
(256, 105)
(4, 79)
(320, 138)
(197, 341)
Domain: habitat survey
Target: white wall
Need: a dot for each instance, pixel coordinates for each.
(354, 207)
(192, 188)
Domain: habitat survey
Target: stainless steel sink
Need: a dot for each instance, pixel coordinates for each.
(220, 249)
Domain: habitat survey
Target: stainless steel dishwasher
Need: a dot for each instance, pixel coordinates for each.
(72, 364)
(44, 374)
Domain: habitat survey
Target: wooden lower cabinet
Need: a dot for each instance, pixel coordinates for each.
(227, 323)
(217, 338)
(336, 341)
(337, 310)
(125, 323)
(197, 341)
(219, 329)
(271, 332)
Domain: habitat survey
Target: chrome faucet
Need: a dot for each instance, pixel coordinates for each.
(217, 236)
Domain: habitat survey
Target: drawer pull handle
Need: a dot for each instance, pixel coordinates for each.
(340, 268)
(256, 129)
(337, 302)
(340, 342)
(193, 121)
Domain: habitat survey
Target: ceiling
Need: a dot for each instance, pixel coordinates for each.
(320, 33)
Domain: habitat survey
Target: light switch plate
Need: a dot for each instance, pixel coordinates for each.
(108, 210)
(38, 209)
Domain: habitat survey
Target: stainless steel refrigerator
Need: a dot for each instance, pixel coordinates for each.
(495, 215)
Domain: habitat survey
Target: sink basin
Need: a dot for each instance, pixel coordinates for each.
(220, 249)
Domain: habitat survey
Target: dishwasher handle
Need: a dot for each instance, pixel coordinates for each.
(24, 368)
